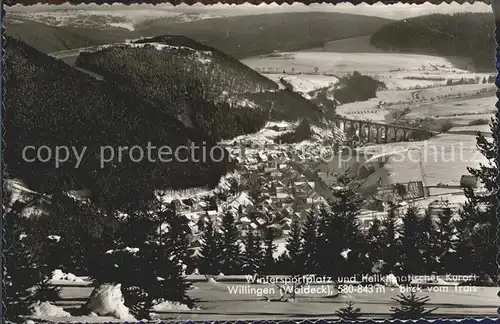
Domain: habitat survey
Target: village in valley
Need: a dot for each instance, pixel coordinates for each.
(275, 183)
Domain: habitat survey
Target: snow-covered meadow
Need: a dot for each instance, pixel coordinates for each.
(304, 83)
(396, 70)
(456, 108)
(441, 160)
(217, 302)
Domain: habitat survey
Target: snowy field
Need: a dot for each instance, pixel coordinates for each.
(216, 302)
(438, 103)
(472, 130)
(304, 83)
(416, 82)
(482, 302)
(445, 159)
(436, 93)
(363, 110)
(398, 71)
(455, 108)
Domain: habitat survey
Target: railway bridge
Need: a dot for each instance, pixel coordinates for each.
(373, 132)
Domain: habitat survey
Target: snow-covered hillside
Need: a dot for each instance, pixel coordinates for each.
(304, 83)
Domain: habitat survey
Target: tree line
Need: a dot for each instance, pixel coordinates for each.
(331, 242)
(469, 35)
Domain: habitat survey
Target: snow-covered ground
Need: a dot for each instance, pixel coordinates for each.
(398, 71)
(364, 110)
(435, 93)
(416, 82)
(216, 302)
(464, 90)
(472, 130)
(455, 108)
(444, 159)
(304, 83)
(167, 196)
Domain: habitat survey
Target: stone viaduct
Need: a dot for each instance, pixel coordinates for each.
(372, 132)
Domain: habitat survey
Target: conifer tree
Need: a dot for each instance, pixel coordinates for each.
(147, 263)
(85, 231)
(374, 241)
(410, 307)
(428, 244)
(411, 254)
(309, 246)
(464, 244)
(178, 237)
(349, 313)
(339, 231)
(446, 238)
(269, 249)
(479, 220)
(211, 251)
(331, 244)
(483, 222)
(294, 258)
(252, 257)
(231, 249)
(44, 291)
(18, 273)
(391, 241)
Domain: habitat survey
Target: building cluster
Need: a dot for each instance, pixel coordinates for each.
(274, 201)
(274, 185)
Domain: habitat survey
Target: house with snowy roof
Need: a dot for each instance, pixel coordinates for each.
(252, 167)
(279, 127)
(262, 157)
(281, 196)
(313, 198)
(270, 167)
(260, 221)
(212, 213)
(251, 160)
(275, 174)
(245, 220)
(249, 227)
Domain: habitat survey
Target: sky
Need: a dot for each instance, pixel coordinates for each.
(394, 11)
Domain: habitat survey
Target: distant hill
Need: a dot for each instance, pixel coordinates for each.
(467, 35)
(52, 104)
(240, 36)
(245, 36)
(197, 84)
(48, 39)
